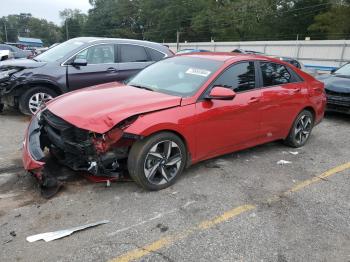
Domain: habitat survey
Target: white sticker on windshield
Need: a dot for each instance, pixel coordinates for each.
(198, 72)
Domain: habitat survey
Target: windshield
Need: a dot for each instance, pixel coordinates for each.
(180, 76)
(59, 51)
(344, 70)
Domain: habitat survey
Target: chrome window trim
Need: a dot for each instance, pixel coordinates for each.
(104, 43)
(64, 63)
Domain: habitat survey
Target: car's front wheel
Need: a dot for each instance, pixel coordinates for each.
(157, 161)
(301, 129)
(31, 100)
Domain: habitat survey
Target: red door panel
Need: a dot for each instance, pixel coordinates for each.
(223, 125)
(279, 107)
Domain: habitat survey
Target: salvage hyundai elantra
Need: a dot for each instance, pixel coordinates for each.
(174, 113)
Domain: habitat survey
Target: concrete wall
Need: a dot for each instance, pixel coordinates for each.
(319, 53)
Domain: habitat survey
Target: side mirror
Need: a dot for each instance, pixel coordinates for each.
(333, 70)
(221, 93)
(79, 62)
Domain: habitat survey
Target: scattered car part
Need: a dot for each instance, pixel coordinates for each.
(283, 162)
(174, 113)
(49, 236)
(294, 153)
(74, 64)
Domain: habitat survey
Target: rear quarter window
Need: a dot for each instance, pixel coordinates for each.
(277, 74)
(154, 54)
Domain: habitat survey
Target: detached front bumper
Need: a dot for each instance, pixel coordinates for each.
(32, 155)
(51, 143)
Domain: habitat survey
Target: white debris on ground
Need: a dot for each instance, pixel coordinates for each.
(293, 153)
(283, 162)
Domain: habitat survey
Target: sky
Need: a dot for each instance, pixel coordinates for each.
(47, 9)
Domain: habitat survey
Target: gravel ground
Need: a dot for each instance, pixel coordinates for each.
(312, 224)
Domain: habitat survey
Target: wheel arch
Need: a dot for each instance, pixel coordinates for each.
(189, 147)
(311, 109)
(21, 88)
(48, 84)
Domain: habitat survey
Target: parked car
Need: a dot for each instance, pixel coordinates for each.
(337, 86)
(250, 52)
(289, 60)
(190, 50)
(74, 64)
(172, 114)
(17, 52)
(5, 54)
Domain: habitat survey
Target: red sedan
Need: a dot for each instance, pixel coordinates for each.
(174, 113)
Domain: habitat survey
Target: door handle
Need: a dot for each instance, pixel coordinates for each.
(296, 90)
(111, 70)
(254, 100)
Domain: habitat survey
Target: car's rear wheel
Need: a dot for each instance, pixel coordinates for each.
(301, 129)
(157, 161)
(31, 100)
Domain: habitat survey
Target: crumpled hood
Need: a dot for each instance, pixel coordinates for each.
(336, 83)
(101, 107)
(21, 63)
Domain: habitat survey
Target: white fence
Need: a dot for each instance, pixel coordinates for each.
(313, 53)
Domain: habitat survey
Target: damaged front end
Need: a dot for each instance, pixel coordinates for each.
(51, 140)
(7, 84)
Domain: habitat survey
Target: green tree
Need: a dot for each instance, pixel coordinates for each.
(73, 22)
(334, 24)
(27, 26)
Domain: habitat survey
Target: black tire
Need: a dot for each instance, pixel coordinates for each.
(30, 92)
(296, 137)
(140, 153)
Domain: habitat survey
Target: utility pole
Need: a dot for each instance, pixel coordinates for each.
(67, 35)
(5, 31)
(177, 40)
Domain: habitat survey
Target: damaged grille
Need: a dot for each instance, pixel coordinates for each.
(70, 142)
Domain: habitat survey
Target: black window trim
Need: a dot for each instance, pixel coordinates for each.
(150, 56)
(294, 75)
(204, 94)
(144, 47)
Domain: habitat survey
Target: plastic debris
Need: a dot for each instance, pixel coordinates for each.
(49, 236)
(283, 162)
(293, 152)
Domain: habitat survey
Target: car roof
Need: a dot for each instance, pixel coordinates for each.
(228, 56)
(97, 40)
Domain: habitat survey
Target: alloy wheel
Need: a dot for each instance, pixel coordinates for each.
(303, 129)
(36, 100)
(162, 162)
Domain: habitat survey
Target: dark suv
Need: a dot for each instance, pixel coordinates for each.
(74, 64)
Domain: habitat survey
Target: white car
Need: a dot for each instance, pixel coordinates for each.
(5, 54)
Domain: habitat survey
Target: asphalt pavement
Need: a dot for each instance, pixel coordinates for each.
(239, 207)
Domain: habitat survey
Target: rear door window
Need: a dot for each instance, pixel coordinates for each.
(132, 53)
(275, 74)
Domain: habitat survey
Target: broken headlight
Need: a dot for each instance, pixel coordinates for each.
(5, 74)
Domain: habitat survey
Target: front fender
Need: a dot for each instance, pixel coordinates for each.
(179, 120)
